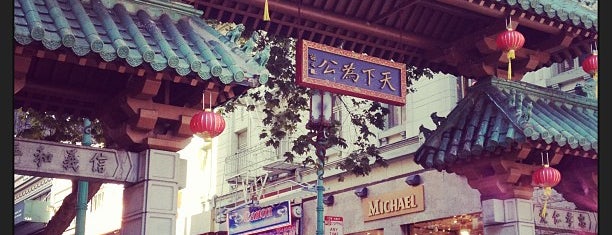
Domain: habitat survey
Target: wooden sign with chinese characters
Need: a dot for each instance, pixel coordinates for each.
(408, 200)
(348, 73)
(58, 160)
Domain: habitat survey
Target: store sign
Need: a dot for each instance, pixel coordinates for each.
(334, 225)
(345, 72)
(563, 219)
(249, 220)
(409, 200)
(292, 229)
(32, 211)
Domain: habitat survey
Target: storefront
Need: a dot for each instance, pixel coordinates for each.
(440, 203)
(280, 218)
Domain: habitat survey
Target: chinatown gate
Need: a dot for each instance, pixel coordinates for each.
(141, 67)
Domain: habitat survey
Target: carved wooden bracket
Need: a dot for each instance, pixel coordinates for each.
(579, 182)
(499, 178)
(138, 124)
(156, 125)
(21, 68)
(477, 55)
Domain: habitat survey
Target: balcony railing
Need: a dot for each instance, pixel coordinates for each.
(249, 162)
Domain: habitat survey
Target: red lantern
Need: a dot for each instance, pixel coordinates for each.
(207, 124)
(546, 177)
(510, 41)
(590, 66)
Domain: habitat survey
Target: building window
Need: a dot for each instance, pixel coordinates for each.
(337, 113)
(396, 116)
(241, 138)
(96, 201)
(463, 84)
(565, 66)
(284, 146)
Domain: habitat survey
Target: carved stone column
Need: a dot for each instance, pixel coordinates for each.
(508, 217)
(150, 205)
(506, 192)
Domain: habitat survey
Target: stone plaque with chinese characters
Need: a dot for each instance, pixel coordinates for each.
(348, 73)
(564, 219)
(58, 160)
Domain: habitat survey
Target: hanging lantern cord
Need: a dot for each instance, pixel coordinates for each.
(511, 53)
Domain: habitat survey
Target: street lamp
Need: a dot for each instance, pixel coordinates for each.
(321, 119)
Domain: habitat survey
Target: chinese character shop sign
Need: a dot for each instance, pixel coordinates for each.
(58, 160)
(348, 73)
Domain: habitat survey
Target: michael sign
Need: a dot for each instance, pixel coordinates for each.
(392, 204)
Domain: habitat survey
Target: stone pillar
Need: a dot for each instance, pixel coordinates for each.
(508, 217)
(150, 205)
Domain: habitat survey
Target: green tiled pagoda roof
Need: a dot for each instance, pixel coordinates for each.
(136, 32)
(498, 115)
(564, 10)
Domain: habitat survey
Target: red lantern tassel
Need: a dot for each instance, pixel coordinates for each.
(511, 56)
(547, 193)
(595, 78)
(266, 16)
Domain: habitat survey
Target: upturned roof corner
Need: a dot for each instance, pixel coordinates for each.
(499, 116)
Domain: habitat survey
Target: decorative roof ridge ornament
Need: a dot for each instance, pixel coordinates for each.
(155, 8)
(536, 92)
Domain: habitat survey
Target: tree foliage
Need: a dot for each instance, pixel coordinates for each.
(284, 105)
(52, 126)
